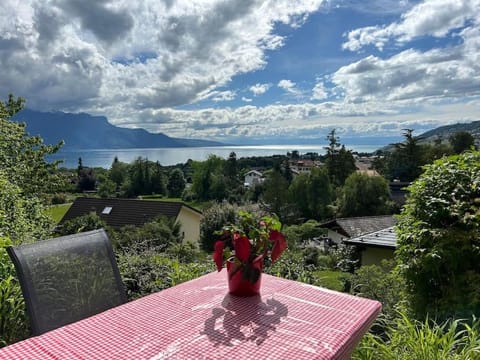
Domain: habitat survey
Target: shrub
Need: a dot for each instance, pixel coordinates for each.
(382, 283)
(214, 219)
(81, 224)
(407, 339)
(439, 239)
(13, 321)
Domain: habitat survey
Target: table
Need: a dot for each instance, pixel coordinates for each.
(199, 320)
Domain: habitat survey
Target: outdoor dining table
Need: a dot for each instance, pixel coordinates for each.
(198, 319)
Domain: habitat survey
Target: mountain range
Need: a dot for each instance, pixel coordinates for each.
(84, 131)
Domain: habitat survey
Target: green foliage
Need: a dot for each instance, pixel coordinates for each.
(276, 196)
(338, 161)
(299, 234)
(407, 339)
(13, 321)
(22, 157)
(106, 188)
(21, 218)
(81, 224)
(176, 183)
(143, 178)
(461, 141)
(214, 219)
(156, 235)
(382, 283)
(439, 239)
(364, 195)
(56, 212)
(209, 182)
(312, 194)
(406, 160)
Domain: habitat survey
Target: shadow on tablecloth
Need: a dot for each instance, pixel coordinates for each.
(243, 319)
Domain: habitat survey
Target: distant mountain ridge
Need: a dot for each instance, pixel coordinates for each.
(85, 131)
(444, 132)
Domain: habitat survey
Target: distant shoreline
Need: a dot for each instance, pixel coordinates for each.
(179, 155)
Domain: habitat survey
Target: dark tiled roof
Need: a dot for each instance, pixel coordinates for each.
(385, 238)
(357, 226)
(123, 211)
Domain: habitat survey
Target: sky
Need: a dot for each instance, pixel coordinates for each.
(229, 70)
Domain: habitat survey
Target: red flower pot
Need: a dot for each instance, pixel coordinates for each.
(239, 283)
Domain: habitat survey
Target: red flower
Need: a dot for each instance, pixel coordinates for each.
(242, 248)
(280, 244)
(218, 254)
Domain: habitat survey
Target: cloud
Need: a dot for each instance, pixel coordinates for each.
(435, 18)
(90, 55)
(415, 76)
(319, 92)
(289, 86)
(259, 89)
(245, 99)
(227, 95)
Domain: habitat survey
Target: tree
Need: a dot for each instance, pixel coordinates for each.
(312, 194)
(176, 183)
(364, 195)
(118, 173)
(407, 158)
(214, 219)
(209, 181)
(461, 141)
(439, 239)
(275, 196)
(22, 157)
(339, 161)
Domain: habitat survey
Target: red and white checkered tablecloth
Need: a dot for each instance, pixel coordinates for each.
(199, 320)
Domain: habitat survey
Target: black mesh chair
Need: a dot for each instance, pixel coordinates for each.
(68, 278)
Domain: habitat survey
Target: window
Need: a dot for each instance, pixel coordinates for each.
(107, 210)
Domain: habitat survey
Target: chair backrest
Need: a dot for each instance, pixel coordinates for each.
(68, 278)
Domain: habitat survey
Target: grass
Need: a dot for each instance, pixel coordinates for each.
(56, 212)
(330, 279)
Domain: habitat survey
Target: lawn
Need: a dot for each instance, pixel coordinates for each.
(330, 279)
(57, 211)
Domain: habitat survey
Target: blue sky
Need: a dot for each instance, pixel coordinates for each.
(232, 70)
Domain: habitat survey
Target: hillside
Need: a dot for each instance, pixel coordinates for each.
(444, 132)
(84, 131)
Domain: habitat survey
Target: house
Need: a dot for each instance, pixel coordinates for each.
(376, 246)
(120, 212)
(364, 165)
(341, 229)
(303, 166)
(253, 177)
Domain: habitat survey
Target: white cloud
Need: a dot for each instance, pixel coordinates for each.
(245, 99)
(227, 95)
(259, 89)
(319, 92)
(289, 86)
(415, 76)
(95, 56)
(431, 17)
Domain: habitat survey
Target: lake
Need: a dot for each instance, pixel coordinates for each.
(172, 156)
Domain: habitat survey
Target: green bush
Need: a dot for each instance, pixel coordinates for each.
(439, 239)
(81, 224)
(407, 339)
(214, 219)
(382, 283)
(13, 321)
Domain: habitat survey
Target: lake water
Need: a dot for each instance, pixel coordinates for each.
(172, 156)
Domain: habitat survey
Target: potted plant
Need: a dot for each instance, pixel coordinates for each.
(245, 246)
